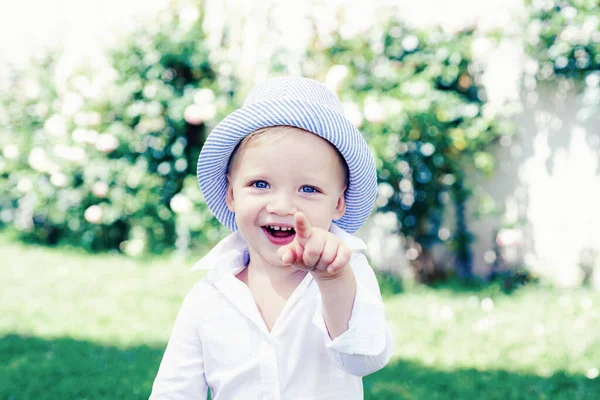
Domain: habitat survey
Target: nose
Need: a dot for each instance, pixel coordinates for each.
(281, 204)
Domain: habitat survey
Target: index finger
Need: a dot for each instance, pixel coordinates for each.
(302, 227)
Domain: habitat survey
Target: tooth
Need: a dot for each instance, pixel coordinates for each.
(276, 228)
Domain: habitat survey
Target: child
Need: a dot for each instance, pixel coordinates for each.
(288, 309)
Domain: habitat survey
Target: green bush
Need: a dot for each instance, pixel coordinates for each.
(426, 117)
(106, 156)
(563, 36)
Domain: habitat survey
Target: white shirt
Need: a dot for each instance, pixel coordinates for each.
(221, 342)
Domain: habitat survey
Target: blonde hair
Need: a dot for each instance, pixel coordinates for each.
(273, 133)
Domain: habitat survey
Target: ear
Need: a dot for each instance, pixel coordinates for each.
(229, 196)
(340, 207)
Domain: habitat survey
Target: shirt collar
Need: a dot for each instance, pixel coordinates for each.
(233, 250)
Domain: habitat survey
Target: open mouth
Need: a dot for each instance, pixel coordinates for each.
(280, 231)
(279, 235)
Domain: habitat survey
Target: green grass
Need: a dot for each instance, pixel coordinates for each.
(75, 326)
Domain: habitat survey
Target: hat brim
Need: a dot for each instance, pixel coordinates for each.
(313, 117)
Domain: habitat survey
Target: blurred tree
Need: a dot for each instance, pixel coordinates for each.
(563, 37)
(105, 158)
(415, 95)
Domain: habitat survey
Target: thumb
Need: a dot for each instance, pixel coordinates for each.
(287, 254)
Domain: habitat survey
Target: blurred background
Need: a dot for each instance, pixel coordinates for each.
(483, 117)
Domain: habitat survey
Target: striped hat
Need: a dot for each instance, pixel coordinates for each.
(302, 103)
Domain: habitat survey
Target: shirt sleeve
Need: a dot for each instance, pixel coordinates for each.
(367, 345)
(181, 372)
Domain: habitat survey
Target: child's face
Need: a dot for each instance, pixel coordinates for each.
(272, 179)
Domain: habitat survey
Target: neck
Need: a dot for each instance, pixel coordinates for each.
(284, 279)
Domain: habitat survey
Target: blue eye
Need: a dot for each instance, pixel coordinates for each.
(260, 184)
(308, 189)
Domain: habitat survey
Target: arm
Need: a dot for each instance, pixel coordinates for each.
(337, 296)
(350, 309)
(181, 372)
(327, 259)
(366, 346)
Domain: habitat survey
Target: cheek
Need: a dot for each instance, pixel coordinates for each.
(247, 209)
(320, 215)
